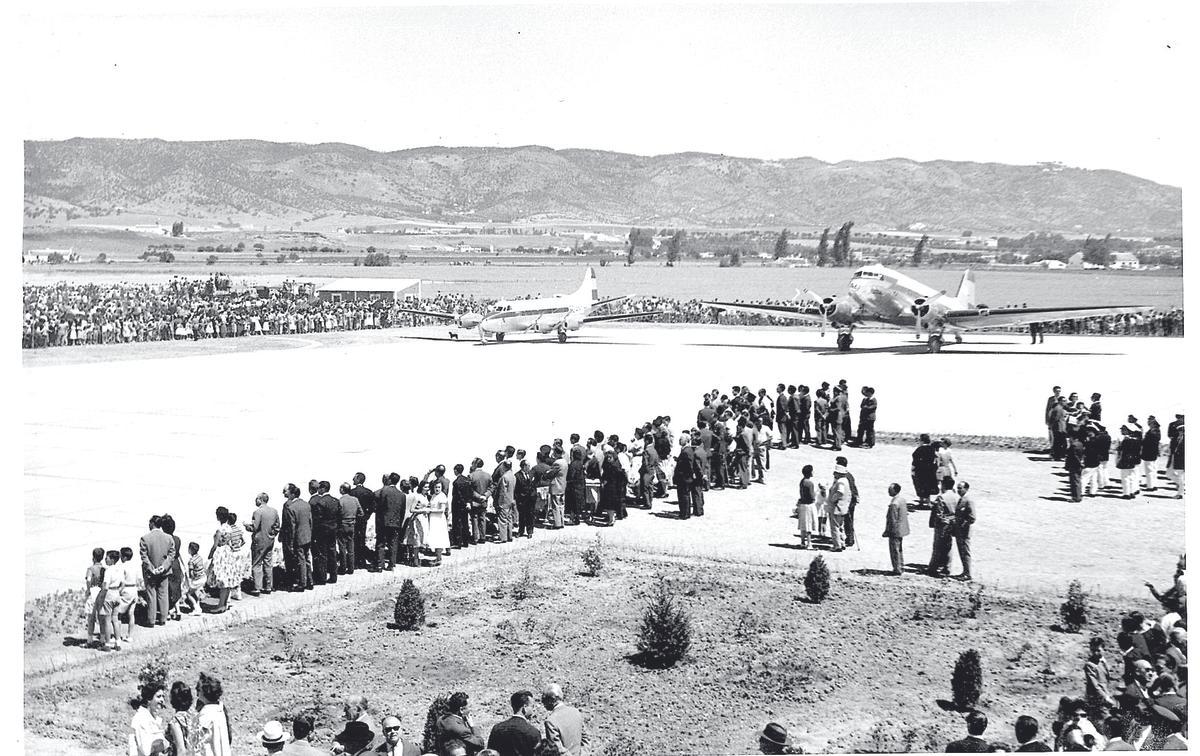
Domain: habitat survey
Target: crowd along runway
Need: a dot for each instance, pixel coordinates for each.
(114, 434)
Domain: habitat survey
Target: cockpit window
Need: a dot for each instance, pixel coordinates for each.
(868, 274)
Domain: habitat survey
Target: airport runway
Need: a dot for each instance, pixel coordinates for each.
(113, 434)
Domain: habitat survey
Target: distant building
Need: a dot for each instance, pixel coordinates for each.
(1124, 261)
(354, 289)
(1053, 264)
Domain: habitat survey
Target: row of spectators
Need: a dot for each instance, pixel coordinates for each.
(67, 314)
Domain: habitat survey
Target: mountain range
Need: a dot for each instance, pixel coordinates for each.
(277, 181)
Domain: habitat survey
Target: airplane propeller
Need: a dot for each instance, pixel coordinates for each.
(920, 309)
(825, 305)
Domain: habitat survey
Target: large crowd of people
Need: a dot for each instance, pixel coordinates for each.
(67, 314)
(422, 520)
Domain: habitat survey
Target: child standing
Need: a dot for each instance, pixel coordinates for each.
(130, 586)
(197, 574)
(93, 580)
(109, 600)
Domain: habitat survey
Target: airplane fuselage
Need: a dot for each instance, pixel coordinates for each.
(540, 315)
(890, 297)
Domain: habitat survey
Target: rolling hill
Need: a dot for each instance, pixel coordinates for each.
(266, 180)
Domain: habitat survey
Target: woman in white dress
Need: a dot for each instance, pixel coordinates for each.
(437, 533)
(222, 561)
(945, 463)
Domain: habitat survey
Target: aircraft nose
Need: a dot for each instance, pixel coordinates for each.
(470, 320)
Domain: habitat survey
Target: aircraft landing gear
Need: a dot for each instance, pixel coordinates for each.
(935, 343)
(499, 337)
(958, 338)
(562, 336)
(844, 340)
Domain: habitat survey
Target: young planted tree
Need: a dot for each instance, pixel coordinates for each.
(666, 631)
(1074, 610)
(966, 683)
(816, 580)
(410, 607)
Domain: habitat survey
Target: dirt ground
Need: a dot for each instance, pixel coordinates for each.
(761, 652)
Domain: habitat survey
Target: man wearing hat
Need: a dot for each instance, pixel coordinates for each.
(272, 737)
(366, 501)
(839, 504)
(866, 418)
(1175, 433)
(775, 739)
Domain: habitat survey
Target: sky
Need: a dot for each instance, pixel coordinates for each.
(1089, 84)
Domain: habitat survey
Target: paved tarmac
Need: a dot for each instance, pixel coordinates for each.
(113, 434)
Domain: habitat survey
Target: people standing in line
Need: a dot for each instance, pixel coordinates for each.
(803, 409)
(835, 415)
(506, 502)
(575, 497)
(649, 473)
(481, 485)
(326, 516)
(941, 519)
(745, 452)
(437, 529)
(687, 469)
(895, 528)
(821, 417)
(1057, 419)
(462, 494)
(964, 522)
(1150, 445)
(1095, 448)
(1129, 452)
(613, 484)
(866, 418)
(222, 562)
(296, 532)
(558, 489)
(176, 573)
(363, 556)
(413, 539)
(784, 423)
(392, 504)
(157, 553)
(263, 528)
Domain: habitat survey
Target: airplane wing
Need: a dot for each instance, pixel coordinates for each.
(984, 318)
(778, 311)
(431, 314)
(601, 303)
(621, 316)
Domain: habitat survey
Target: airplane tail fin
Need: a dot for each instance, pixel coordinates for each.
(966, 289)
(589, 290)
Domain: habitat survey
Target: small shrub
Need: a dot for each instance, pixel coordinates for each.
(816, 580)
(967, 680)
(525, 588)
(748, 626)
(593, 557)
(974, 601)
(410, 607)
(1074, 610)
(155, 671)
(666, 631)
(438, 709)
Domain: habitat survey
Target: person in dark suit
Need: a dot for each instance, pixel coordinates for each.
(866, 418)
(964, 521)
(1026, 731)
(515, 736)
(977, 723)
(461, 496)
(834, 416)
(326, 513)
(175, 575)
(649, 473)
(157, 551)
(783, 415)
(687, 471)
(296, 533)
(1075, 458)
(1095, 410)
(366, 500)
(391, 503)
(802, 410)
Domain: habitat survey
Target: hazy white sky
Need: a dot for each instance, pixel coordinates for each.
(1096, 85)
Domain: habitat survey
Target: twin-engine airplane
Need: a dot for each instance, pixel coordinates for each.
(881, 295)
(558, 314)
